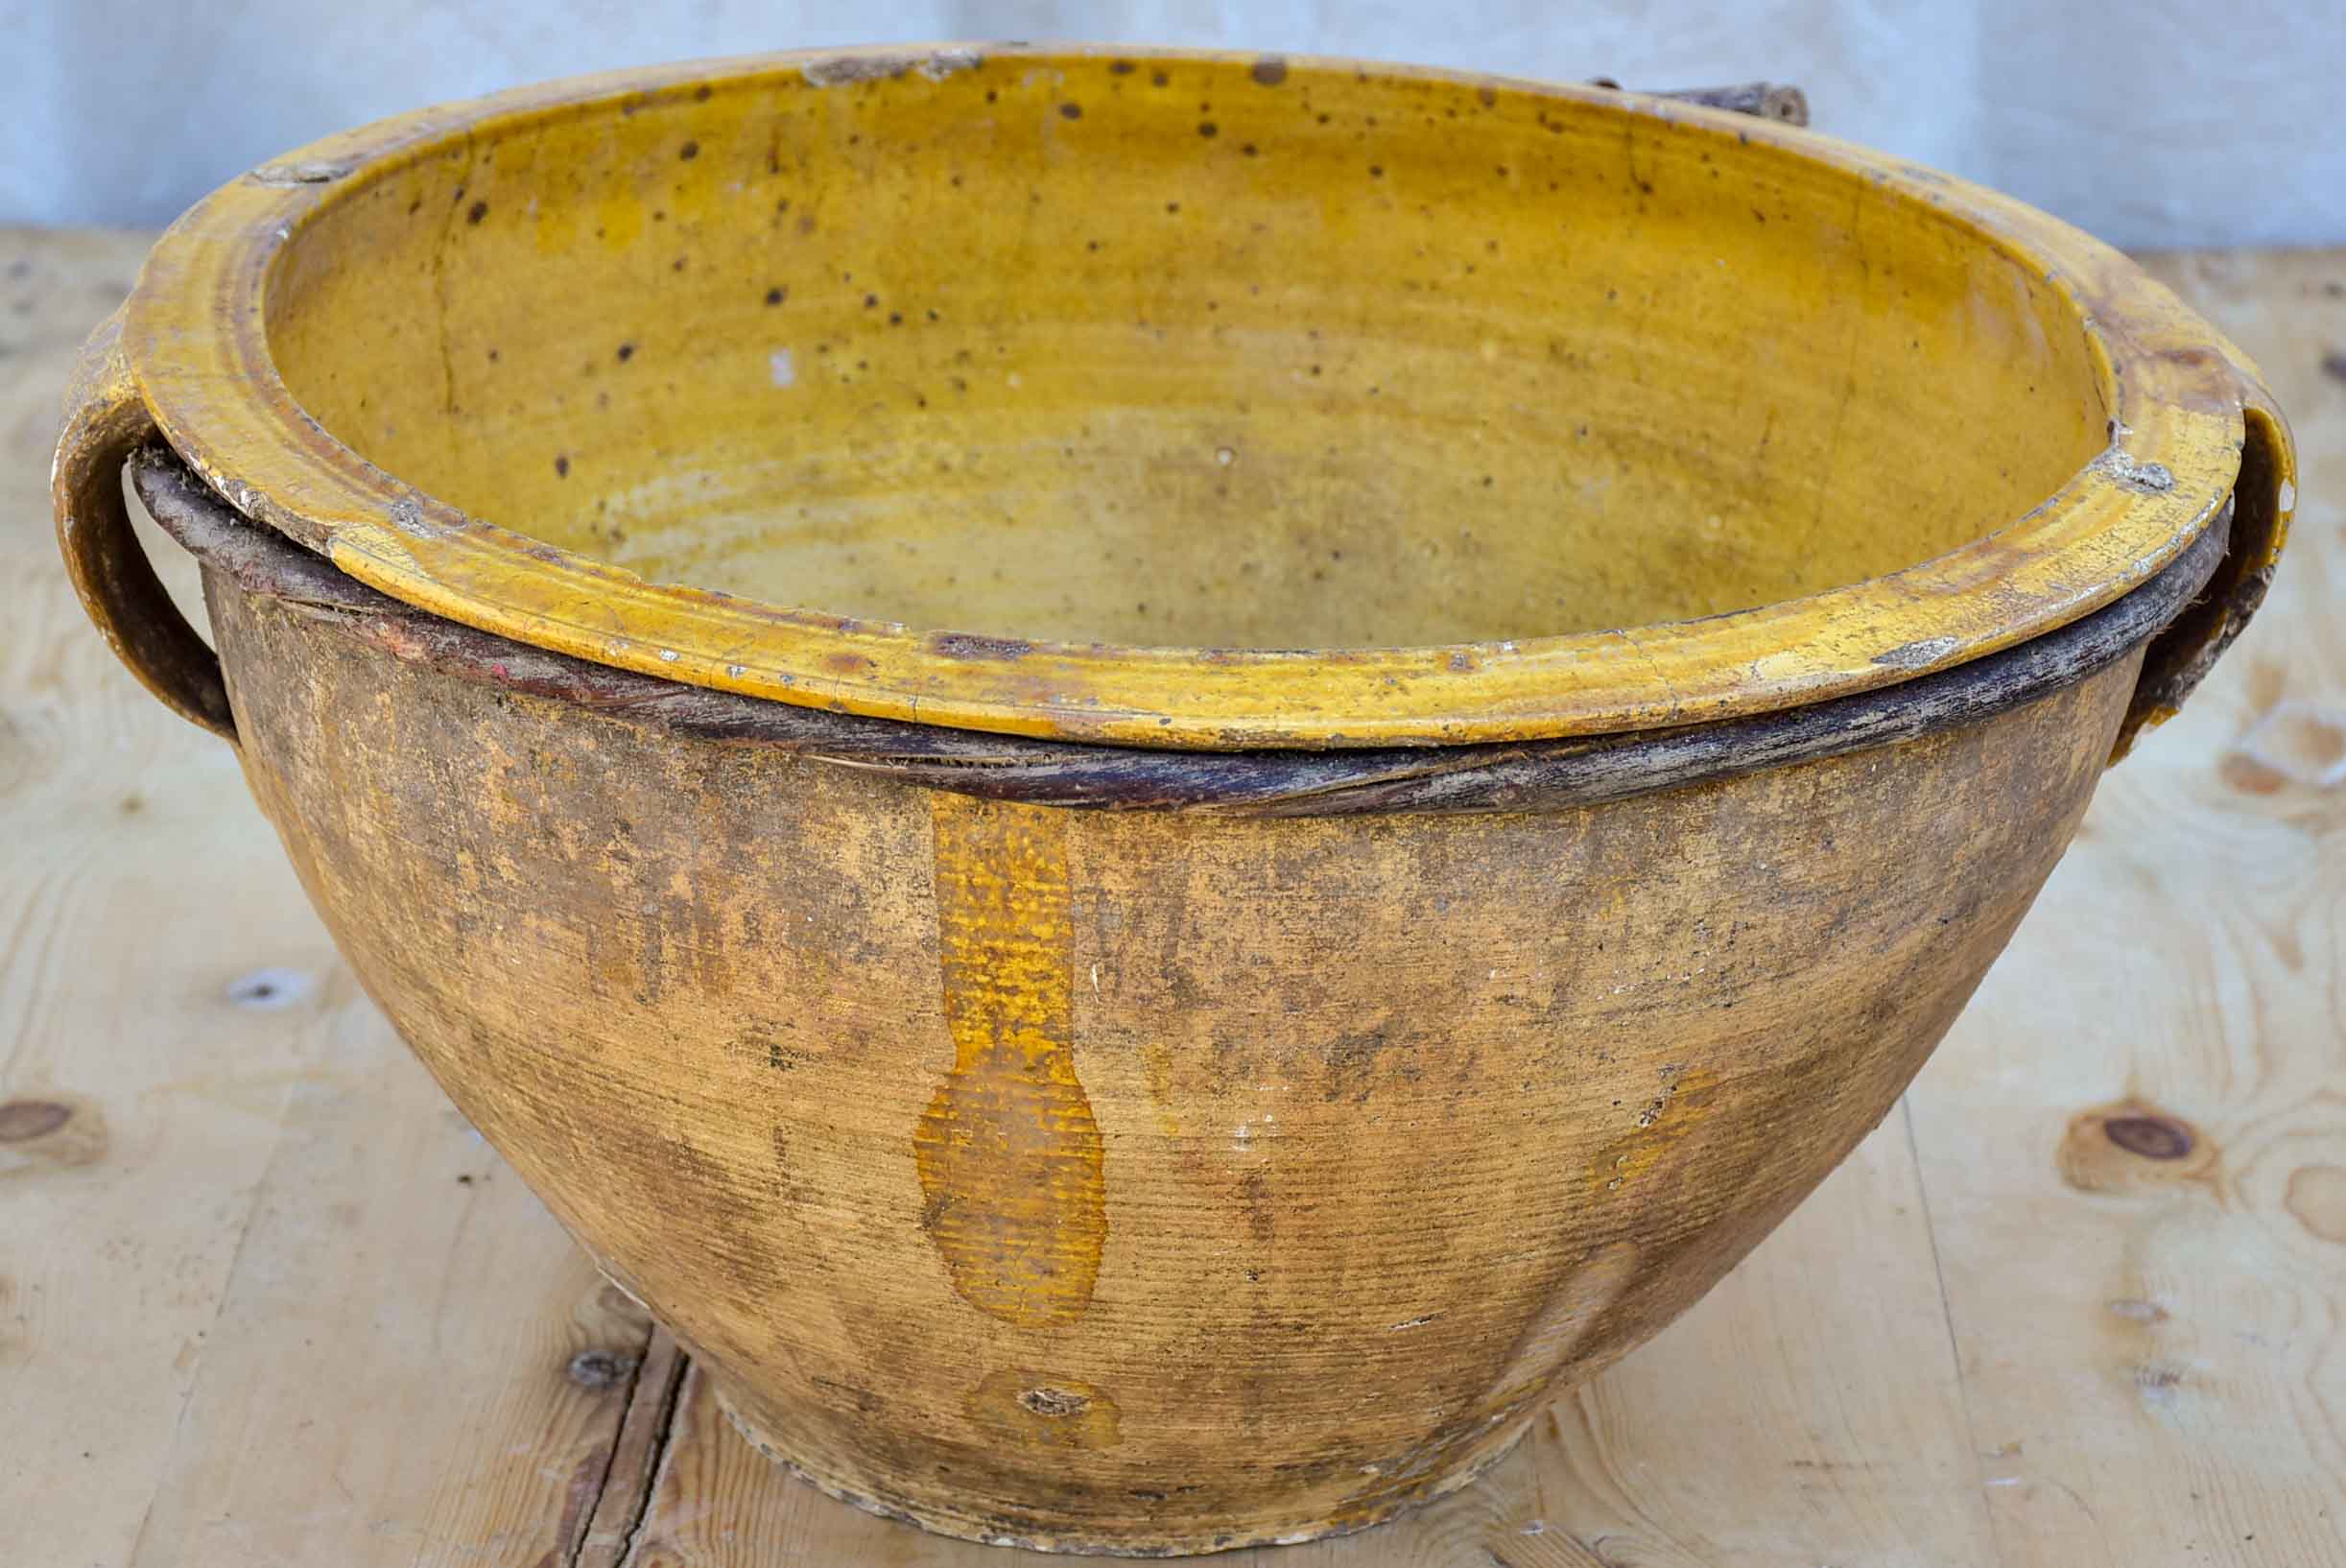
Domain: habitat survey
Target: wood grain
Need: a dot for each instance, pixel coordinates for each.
(2153, 1339)
(2124, 1368)
(126, 841)
(431, 1293)
(264, 1297)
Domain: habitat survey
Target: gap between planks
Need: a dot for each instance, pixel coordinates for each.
(638, 1453)
(1954, 1344)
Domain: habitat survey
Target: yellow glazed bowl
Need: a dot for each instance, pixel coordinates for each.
(1156, 781)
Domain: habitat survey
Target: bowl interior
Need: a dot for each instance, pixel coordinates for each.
(1183, 352)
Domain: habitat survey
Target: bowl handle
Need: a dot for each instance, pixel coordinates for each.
(2264, 494)
(105, 421)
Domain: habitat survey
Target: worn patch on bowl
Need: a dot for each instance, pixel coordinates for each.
(1684, 1101)
(1036, 1409)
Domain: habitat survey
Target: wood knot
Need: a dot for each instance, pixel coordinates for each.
(599, 1368)
(2153, 1137)
(23, 1120)
(53, 1131)
(2132, 1146)
(271, 989)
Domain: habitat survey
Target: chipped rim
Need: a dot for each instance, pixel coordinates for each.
(195, 338)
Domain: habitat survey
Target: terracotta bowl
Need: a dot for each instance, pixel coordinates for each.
(1168, 779)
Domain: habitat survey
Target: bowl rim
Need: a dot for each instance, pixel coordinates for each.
(1505, 776)
(195, 340)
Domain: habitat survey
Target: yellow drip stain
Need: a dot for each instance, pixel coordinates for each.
(1008, 1150)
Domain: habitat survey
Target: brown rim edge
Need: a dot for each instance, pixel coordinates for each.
(1524, 777)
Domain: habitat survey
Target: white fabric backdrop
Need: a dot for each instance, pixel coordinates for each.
(2162, 122)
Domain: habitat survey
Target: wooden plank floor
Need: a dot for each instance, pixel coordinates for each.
(266, 1299)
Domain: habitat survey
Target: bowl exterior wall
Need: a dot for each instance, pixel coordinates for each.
(1138, 1180)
